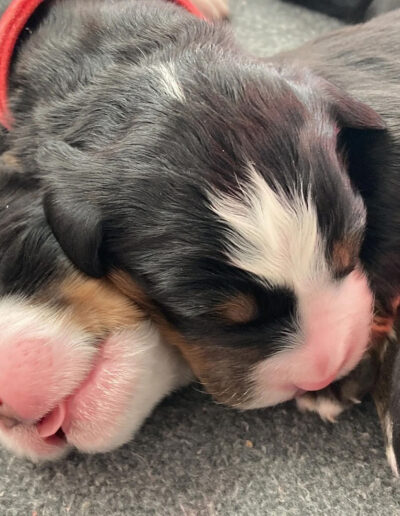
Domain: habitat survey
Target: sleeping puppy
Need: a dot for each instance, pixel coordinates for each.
(211, 180)
(80, 365)
(207, 184)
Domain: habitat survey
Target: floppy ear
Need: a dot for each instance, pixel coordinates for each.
(350, 112)
(362, 138)
(69, 208)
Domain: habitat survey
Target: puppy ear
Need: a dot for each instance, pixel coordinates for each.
(350, 112)
(72, 216)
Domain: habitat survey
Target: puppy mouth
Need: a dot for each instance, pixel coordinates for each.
(53, 427)
(50, 428)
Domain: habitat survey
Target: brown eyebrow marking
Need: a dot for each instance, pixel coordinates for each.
(241, 308)
(341, 255)
(344, 256)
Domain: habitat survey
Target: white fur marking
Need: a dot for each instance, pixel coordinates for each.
(272, 235)
(392, 460)
(326, 408)
(389, 448)
(170, 83)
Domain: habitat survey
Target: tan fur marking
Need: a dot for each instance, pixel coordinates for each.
(97, 306)
(224, 374)
(127, 286)
(342, 255)
(239, 309)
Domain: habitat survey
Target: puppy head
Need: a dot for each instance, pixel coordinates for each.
(228, 202)
(77, 358)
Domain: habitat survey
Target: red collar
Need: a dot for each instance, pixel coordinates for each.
(12, 23)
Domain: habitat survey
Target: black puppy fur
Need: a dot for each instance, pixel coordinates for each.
(30, 256)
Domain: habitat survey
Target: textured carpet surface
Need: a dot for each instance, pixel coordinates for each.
(193, 457)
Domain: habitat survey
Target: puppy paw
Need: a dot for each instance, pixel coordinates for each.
(322, 403)
(341, 395)
(213, 9)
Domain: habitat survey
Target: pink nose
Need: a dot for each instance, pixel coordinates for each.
(43, 359)
(37, 373)
(336, 325)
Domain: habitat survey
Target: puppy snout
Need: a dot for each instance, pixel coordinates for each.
(337, 322)
(42, 360)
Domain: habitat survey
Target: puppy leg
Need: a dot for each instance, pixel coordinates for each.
(386, 395)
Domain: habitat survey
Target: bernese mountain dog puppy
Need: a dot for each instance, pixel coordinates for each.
(249, 207)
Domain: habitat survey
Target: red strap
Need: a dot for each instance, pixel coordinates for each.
(187, 4)
(12, 24)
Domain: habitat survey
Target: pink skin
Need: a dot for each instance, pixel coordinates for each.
(59, 390)
(334, 329)
(36, 371)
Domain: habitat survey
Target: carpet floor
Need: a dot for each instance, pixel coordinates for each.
(196, 458)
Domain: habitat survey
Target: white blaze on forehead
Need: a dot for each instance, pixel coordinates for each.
(273, 235)
(169, 82)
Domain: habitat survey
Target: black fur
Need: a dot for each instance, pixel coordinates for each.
(30, 257)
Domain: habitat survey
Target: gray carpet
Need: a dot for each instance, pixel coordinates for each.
(196, 458)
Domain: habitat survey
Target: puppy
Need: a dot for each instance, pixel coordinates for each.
(81, 366)
(214, 185)
(211, 180)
